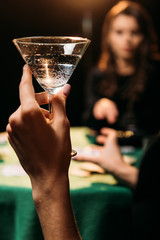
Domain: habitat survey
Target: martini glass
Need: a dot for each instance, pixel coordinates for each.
(52, 60)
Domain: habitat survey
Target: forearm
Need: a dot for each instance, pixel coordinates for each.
(127, 173)
(54, 208)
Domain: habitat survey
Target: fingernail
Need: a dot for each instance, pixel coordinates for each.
(25, 67)
(66, 89)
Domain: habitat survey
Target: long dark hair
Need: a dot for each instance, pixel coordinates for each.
(147, 51)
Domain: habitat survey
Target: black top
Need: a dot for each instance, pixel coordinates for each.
(144, 112)
(146, 203)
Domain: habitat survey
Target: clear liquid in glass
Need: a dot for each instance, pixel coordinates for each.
(52, 71)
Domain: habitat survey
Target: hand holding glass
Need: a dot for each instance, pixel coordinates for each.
(52, 60)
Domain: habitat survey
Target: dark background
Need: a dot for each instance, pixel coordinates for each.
(53, 17)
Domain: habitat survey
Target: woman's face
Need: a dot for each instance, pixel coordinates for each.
(124, 37)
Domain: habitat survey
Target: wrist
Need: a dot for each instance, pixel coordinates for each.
(54, 207)
(119, 168)
(127, 174)
(49, 188)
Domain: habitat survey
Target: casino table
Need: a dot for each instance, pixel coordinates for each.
(101, 204)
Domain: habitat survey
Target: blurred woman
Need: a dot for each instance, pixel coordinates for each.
(123, 90)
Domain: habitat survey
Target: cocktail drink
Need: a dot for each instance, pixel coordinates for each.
(52, 60)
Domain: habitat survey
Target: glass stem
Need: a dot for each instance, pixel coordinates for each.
(50, 106)
(73, 152)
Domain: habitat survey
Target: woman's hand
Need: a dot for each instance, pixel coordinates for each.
(111, 159)
(109, 154)
(43, 146)
(105, 109)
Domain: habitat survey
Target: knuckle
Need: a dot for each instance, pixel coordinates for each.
(64, 122)
(29, 112)
(12, 121)
(67, 123)
(114, 134)
(57, 99)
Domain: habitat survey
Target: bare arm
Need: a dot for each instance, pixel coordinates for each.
(54, 209)
(127, 173)
(43, 147)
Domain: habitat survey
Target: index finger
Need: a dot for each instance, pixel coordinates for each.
(26, 90)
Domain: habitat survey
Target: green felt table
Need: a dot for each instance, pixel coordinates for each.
(101, 204)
